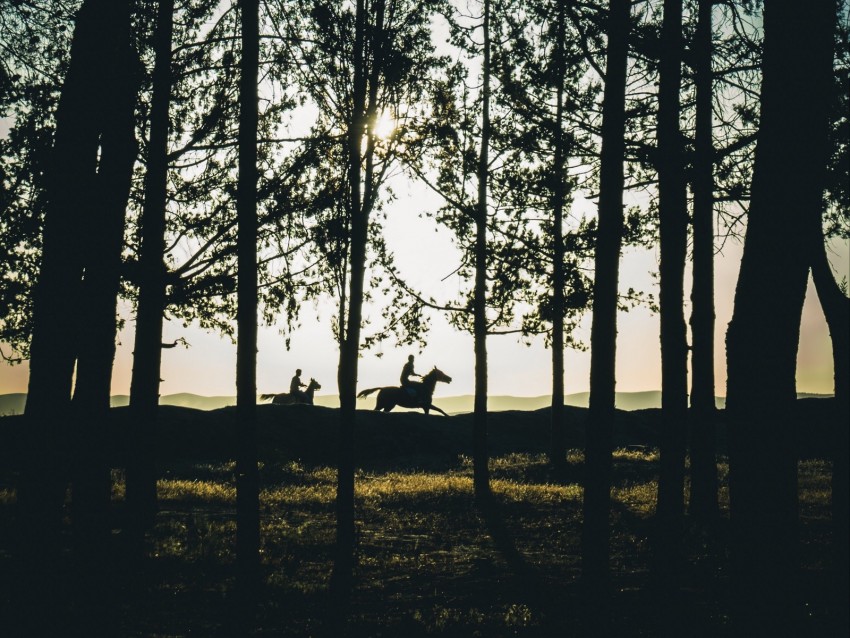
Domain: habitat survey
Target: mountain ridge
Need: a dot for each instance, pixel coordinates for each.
(13, 403)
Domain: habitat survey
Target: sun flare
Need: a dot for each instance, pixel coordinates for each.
(384, 126)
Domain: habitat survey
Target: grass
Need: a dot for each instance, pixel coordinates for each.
(429, 561)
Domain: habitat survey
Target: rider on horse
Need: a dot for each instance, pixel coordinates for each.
(411, 387)
(295, 385)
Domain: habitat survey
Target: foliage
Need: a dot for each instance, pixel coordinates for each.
(35, 41)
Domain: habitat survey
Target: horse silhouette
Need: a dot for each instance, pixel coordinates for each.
(391, 396)
(284, 398)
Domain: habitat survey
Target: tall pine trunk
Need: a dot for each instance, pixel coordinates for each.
(92, 485)
(341, 581)
(147, 351)
(480, 455)
(836, 309)
(247, 477)
(558, 445)
(703, 497)
(71, 183)
(595, 541)
(102, 264)
(673, 230)
(763, 336)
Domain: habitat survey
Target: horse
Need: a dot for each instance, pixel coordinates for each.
(391, 396)
(284, 398)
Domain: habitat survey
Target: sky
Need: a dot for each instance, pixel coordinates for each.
(425, 256)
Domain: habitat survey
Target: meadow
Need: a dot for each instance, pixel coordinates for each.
(430, 561)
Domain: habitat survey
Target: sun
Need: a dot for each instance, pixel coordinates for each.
(384, 126)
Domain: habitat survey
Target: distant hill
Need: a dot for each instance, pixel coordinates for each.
(14, 403)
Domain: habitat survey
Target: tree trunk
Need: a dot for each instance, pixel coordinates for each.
(763, 336)
(480, 454)
(71, 181)
(341, 580)
(92, 485)
(247, 478)
(102, 262)
(673, 230)
(147, 352)
(603, 337)
(836, 309)
(703, 502)
(558, 446)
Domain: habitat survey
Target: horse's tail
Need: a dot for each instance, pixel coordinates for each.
(266, 397)
(366, 393)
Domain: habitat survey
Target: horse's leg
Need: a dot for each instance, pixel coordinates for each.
(434, 407)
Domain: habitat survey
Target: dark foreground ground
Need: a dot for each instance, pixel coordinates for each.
(430, 563)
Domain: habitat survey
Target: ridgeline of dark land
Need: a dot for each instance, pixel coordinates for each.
(13, 403)
(430, 562)
(399, 439)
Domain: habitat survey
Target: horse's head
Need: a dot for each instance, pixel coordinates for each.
(438, 375)
(313, 385)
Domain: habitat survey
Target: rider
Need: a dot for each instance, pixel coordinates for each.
(406, 372)
(295, 385)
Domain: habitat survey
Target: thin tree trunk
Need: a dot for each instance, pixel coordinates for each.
(341, 580)
(247, 478)
(703, 498)
(763, 336)
(603, 337)
(147, 352)
(558, 446)
(480, 455)
(673, 230)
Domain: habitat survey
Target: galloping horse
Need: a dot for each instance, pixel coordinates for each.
(284, 398)
(391, 396)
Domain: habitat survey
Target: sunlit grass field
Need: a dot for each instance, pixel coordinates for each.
(430, 562)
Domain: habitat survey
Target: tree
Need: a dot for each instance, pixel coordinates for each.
(703, 495)
(543, 141)
(92, 156)
(385, 46)
(762, 339)
(144, 383)
(603, 339)
(247, 478)
(481, 473)
(832, 294)
(673, 229)
(101, 248)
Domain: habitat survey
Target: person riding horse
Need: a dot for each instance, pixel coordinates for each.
(295, 385)
(411, 387)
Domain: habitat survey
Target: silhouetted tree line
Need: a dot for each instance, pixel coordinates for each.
(204, 160)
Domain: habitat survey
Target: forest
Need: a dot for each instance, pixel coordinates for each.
(230, 164)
